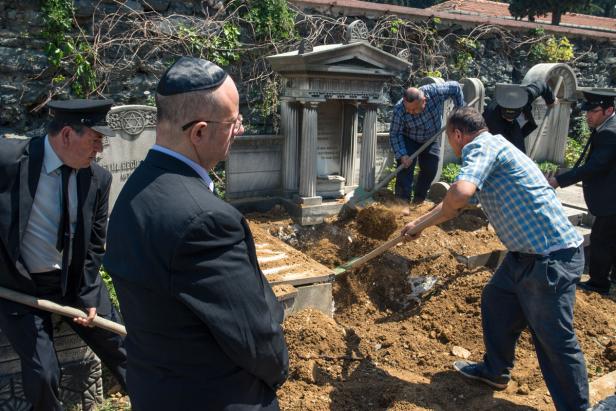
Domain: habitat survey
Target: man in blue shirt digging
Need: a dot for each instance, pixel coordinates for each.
(535, 285)
(416, 118)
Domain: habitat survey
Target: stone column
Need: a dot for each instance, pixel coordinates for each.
(290, 129)
(368, 149)
(349, 144)
(308, 160)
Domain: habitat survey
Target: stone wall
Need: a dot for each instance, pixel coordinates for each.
(25, 76)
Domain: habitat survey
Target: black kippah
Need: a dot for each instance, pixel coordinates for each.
(190, 74)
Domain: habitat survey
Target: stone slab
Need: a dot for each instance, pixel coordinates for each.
(81, 385)
(572, 196)
(283, 264)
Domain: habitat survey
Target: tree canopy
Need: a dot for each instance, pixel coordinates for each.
(533, 8)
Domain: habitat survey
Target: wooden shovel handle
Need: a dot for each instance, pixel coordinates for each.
(356, 262)
(63, 310)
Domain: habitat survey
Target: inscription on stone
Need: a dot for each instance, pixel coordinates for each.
(329, 138)
(122, 154)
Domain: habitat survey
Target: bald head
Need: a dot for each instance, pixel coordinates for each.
(413, 94)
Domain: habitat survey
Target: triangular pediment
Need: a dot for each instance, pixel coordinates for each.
(355, 58)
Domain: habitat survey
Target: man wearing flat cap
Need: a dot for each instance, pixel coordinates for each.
(510, 112)
(53, 216)
(596, 169)
(204, 327)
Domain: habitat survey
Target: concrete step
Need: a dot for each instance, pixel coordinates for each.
(575, 215)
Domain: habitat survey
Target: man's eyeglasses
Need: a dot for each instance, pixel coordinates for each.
(237, 123)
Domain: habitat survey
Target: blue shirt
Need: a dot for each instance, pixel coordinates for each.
(524, 210)
(420, 127)
(198, 169)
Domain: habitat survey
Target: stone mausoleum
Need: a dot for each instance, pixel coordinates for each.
(325, 88)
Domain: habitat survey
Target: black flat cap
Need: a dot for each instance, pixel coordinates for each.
(85, 112)
(190, 74)
(511, 96)
(596, 98)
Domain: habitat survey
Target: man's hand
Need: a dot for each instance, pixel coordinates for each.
(411, 231)
(87, 322)
(552, 181)
(554, 103)
(406, 161)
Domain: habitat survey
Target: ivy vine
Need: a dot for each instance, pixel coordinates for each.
(65, 52)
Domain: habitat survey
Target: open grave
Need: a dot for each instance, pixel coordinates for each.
(401, 320)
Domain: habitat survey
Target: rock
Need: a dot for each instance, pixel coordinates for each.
(523, 389)
(610, 351)
(460, 352)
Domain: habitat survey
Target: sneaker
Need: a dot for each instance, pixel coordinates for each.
(474, 371)
(590, 287)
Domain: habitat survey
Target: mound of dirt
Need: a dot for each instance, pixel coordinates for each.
(387, 351)
(376, 221)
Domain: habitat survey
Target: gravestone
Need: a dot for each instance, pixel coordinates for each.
(81, 385)
(135, 126)
(548, 141)
(324, 88)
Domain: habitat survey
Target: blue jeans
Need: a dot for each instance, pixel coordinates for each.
(537, 292)
(428, 165)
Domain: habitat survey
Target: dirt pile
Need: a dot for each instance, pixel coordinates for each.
(376, 221)
(387, 350)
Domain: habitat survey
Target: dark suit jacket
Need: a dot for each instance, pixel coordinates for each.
(511, 130)
(20, 167)
(203, 323)
(597, 171)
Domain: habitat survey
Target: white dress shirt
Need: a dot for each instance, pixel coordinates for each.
(38, 249)
(198, 169)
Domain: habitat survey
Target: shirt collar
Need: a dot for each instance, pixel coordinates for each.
(202, 172)
(603, 124)
(51, 161)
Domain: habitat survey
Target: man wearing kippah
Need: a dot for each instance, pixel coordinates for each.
(53, 216)
(204, 327)
(416, 118)
(596, 169)
(534, 287)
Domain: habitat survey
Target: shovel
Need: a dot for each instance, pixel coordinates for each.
(359, 195)
(357, 261)
(63, 310)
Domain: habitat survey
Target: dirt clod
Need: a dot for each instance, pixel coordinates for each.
(376, 221)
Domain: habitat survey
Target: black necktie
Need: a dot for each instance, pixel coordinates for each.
(585, 150)
(64, 229)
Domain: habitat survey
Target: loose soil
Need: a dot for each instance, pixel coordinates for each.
(386, 350)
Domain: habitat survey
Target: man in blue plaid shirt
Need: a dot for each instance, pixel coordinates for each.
(535, 285)
(417, 117)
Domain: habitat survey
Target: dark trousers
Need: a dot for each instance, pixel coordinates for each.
(537, 292)
(602, 251)
(30, 332)
(428, 166)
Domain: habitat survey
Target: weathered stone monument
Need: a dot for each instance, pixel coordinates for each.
(325, 89)
(81, 385)
(548, 143)
(136, 132)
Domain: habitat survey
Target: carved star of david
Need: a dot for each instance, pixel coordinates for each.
(133, 122)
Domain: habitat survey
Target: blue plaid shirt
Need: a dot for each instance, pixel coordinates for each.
(420, 127)
(516, 197)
